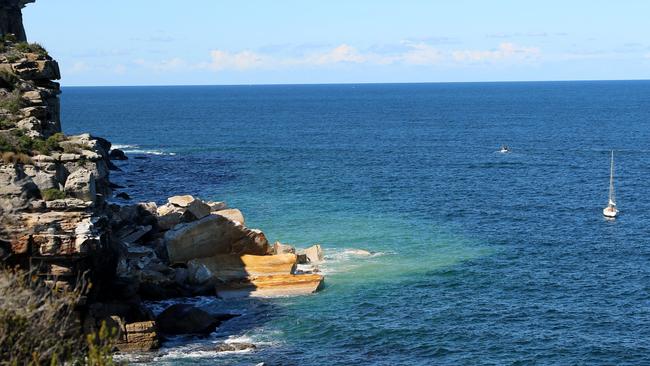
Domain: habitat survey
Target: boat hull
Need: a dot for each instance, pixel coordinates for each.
(610, 212)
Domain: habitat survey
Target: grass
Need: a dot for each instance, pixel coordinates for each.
(25, 47)
(52, 194)
(10, 157)
(38, 325)
(18, 142)
(6, 124)
(12, 101)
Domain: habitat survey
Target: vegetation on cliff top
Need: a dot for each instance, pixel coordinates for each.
(39, 326)
(17, 142)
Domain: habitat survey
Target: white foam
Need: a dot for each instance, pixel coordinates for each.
(135, 149)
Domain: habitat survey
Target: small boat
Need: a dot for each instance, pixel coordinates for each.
(611, 211)
(504, 149)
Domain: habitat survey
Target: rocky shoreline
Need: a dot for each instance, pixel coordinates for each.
(59, 220)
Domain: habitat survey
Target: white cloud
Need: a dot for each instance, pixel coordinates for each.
(407, 53)
(505, 52)
(78, 67)
(222, 60)
(164, 65)
(420, 54)
(342, 53)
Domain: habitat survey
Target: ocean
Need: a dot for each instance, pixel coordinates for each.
(478, 257)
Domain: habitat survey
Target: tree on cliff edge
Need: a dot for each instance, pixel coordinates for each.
(11, 18)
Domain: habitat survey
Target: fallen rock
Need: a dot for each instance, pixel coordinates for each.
(234, 347)
(217, 206)
(81, 184)
(233, 267)
(123, 195)
(232, 214)
(271, 286)
(212, 235)
(313, 254)
(181, 201)
(139, 336)
(117, 154)
(186, 319)
(279, 248)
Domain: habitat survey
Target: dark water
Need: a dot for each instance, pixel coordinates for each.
(481, 257)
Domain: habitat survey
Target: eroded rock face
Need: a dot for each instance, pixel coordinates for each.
(11, 18)
(212, 235)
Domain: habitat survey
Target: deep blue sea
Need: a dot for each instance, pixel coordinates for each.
(479, 257)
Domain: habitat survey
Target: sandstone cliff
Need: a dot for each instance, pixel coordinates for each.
(58, 220)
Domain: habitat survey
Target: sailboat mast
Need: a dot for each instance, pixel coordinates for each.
(611, 181)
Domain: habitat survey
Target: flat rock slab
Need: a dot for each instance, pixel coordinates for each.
(234, 267)
(272, 286)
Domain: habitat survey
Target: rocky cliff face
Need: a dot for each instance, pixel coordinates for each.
(53, 188)
(11, 18)
(57, 218)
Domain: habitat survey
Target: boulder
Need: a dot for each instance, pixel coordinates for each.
(232, 214)
(271, 286)
(279, 248)
(138, 336)
(212, 235)
(117, 154)
(217, 206)
(81, 184)
(169, 216)
(234, 267)
(314, 254)
(186, 319)
(234, 347)
(181, 201)
(198, 209)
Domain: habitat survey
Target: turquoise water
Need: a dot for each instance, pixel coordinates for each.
(479, 257)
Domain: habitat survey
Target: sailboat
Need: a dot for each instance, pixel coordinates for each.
(611, 211)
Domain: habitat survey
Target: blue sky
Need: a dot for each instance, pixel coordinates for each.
(161, 42)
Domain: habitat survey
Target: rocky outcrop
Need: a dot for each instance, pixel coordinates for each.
(187, 319)
(224, 268)
(271, 286)
(213, 235)
(58, 219)
(11, 18)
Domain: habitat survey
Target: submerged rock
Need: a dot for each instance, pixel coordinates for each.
(188, 319)
(234, 347)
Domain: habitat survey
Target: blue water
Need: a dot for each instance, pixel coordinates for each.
(481, 257)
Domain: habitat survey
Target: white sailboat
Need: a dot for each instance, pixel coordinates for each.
(611, 211)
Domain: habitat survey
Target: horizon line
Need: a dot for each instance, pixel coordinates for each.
(359, 83)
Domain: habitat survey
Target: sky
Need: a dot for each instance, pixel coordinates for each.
(215, 42)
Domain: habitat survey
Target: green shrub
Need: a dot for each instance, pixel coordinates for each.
(9, 37)
(51, 194)
(13, 56)
(12, 101)
(25, 47)
(9, 79)
(6, 124)
(38, 326)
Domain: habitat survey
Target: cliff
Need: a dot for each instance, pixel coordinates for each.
(58, 220)
(11, 18)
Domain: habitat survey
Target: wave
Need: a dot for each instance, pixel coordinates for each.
(346, 259)
(135, 149)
